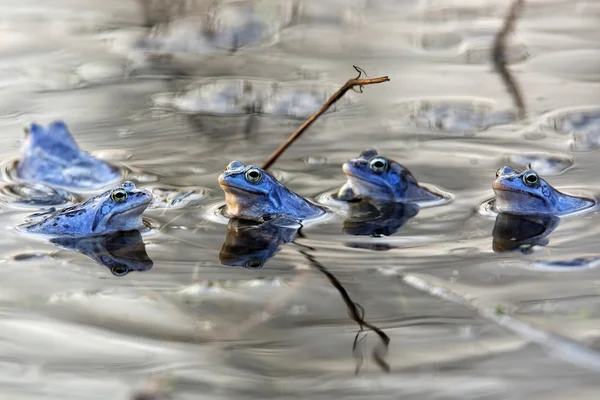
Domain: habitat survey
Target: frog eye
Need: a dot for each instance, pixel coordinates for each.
(119, 270)
(118, 195)
(530, 178)
(253, 175)
(378, 164)
(253, 263)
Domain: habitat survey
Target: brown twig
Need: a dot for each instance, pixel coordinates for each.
(332, 100)
(499, 55)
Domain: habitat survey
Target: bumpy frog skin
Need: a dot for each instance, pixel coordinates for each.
(527, 193)
(381, 179)
(50, 155)
(119, 209)
(251, 193)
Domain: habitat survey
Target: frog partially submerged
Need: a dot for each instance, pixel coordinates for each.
(527, 193)
(50, 155)
(251, 193)
(380, 179)
(115, 210)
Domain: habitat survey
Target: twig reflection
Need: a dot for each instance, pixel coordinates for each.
(499, 55)
(355, 311)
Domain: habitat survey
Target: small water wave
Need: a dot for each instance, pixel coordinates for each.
(170, 197)
(469, 47)
(216, 213)
(329, 198)
(572, 265)
(453, 115)
(35, 195)
(31, 195)
(543, 163)
(582, 124)
(487, 207)
(237, 96)
(60, 78)
(228, 27)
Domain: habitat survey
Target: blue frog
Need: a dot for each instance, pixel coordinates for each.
(50, 155)
(254, 194)
(115, 210)
(380, 179)
(527, 193)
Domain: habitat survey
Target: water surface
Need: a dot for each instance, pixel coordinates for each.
(72, 328)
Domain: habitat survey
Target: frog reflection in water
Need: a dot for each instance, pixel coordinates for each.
(250, 243)
(380, 179)
(251, 193)
(119, 209)
(50, 155)
(527, 193)
(381, 219)
(121, 252)
(522, 232)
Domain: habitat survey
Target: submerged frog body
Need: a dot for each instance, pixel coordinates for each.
(251, 193)
(115, 210)
(527, 193)
(50, 155)
(380, 179)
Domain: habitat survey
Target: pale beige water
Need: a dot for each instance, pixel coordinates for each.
(69, 329)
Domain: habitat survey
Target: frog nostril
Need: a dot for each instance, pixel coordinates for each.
(355, 163)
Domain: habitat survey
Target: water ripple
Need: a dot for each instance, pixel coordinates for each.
(454, 115)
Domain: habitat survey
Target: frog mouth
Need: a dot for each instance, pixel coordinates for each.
(504, 191)
(236, 190)
(366, 181)
(130, 210)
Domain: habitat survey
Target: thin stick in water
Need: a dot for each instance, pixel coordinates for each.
(350, 84)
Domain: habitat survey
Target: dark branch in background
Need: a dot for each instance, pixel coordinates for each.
(499, 55)
(355, 311)
(332, 100)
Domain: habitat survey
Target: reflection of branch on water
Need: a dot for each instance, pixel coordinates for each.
(499, 55)
(355, 311)
(565, 348)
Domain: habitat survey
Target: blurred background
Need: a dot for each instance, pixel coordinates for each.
(475, 307)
